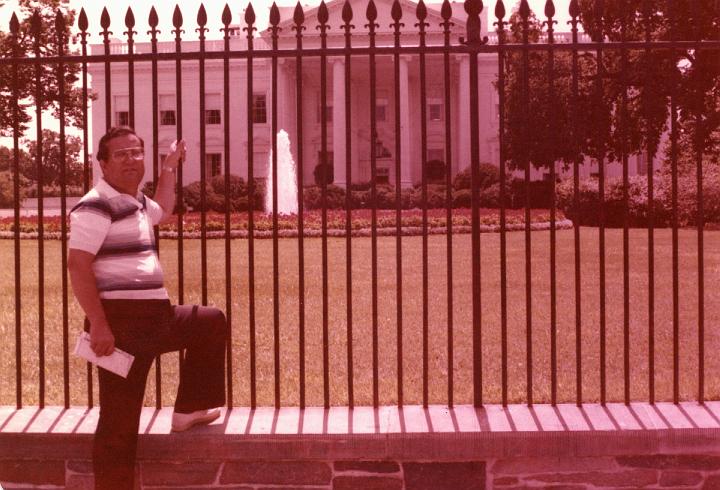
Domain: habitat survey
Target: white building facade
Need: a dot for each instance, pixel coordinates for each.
(410, 136)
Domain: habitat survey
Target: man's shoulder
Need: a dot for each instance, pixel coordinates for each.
(94, 200)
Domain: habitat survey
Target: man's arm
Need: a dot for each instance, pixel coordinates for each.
(83, 283)
(165, 192)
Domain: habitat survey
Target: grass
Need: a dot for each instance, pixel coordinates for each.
(412, 319)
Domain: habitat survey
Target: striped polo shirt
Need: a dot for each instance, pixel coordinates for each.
(118, 229)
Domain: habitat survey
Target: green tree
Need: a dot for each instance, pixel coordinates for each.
(631, 113)
(52, 160)
(27, 81)
(691, 75)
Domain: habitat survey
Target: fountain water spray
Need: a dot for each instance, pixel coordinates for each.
(287, 179)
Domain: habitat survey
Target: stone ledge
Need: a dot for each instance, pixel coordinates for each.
(387, 433)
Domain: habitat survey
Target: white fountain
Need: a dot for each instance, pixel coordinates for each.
(287, 179)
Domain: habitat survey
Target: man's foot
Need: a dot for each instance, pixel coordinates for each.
(183, 421)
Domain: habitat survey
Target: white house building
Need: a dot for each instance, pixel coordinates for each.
(410, 100)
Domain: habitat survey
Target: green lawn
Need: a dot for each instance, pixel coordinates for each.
(412, 316)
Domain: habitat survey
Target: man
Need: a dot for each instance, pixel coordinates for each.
(117, 279)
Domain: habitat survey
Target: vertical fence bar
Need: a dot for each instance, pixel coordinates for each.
(274, 21)
(674, 135)
(473, 9)
(226, 19)
(299, 18)
(371, 15)
(130, 23)
(347, 15)
(699, 131)
(177, 24)
(626, 215)
(105, 23)
(323, 18)
(37, 31)
(83, 25)
(396, 14)
(250, 20)
(574, 11)
(648, 25)
(500, 15)
(202, 21)
(599, 12)
(550, 13)
(60, 34)
(446, 14)
(14, 32)
(421, 13)
(524, 14)
(153, 23)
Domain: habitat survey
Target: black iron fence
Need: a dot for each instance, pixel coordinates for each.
(514, 321)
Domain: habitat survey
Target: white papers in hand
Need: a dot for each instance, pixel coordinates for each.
(119, 362)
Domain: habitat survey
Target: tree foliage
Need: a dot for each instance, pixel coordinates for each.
(622, 105)
(52, 160)
(27, 78)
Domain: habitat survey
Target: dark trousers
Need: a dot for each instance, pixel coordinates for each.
(146, 328)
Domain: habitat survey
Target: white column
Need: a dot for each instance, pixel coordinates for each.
(405, 157)
(338, 114)
(463, 147)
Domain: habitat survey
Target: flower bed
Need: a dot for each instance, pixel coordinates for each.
(411, 223)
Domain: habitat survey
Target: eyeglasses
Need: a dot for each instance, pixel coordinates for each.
(134, 153)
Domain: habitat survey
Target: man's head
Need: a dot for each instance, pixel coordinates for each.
(122, 159)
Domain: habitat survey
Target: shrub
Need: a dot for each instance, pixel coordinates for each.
(335, 197)
(462, 198)
(489, 174)
(215, 194)
(588, 211)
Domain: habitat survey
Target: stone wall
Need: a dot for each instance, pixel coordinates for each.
(250, 475)
(648, 471)
(639, 471)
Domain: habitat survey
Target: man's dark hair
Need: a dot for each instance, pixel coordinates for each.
(114, 132)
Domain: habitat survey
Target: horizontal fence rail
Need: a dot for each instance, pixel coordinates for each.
(430, 309)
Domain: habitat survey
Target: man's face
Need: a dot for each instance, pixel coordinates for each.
(125, 167)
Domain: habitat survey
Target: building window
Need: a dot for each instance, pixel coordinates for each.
(122, 118)
(435, 111)
(213, 164)
(167, 110)
(213, 103)
(259, 109)
(121, 106)
(212, 116)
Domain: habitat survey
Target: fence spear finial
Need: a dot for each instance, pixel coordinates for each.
(105, 19)
(323, 14)
(153, 20)
(298, 14)
(59, 22)
(226, 16)
(249, 14)
(347, 13)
